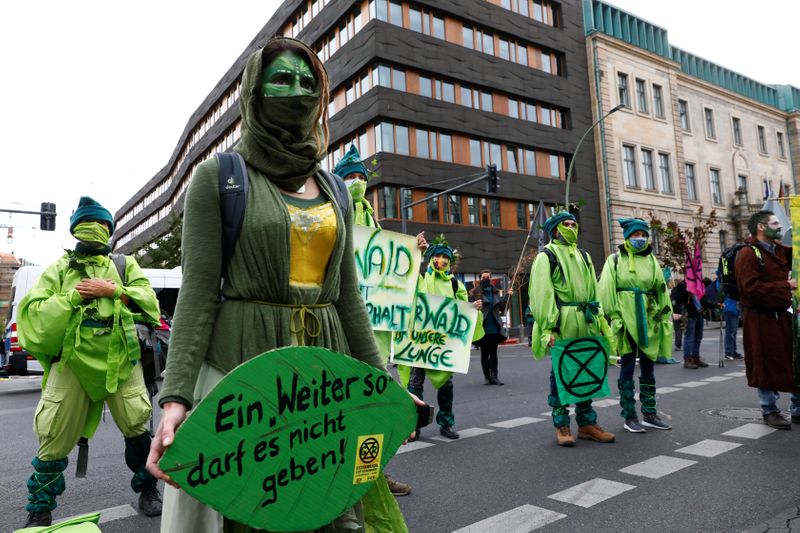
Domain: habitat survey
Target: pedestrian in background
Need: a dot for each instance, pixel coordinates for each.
(492, 306)
(762, 276)
(693, 336)
(730, 315)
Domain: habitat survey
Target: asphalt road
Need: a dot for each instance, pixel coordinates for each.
(506, 474)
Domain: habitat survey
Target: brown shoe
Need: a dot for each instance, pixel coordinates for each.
(564, 437)
(699, 362)
(688, 362)
(595, 433)
(776, 420)
(397, 488)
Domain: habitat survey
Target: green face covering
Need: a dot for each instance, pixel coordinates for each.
(288, 75)
(773, 233)
(570, 235)
(92, 232)
(357, 190)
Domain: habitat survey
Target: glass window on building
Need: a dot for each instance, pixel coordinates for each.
(716, 187)
(741, 183)
(555, 167)
(396, 13)
(379, 9)
(641, 95)
(437, 85)
(737, 131)
(495, 212)
(399, 79)
(425, 88)
(453, 209)
(629, 165)
(762, 140)
(502, 49)
(389, 202)
(647, 169)
(438, 27)
(486, 101)
(365, 84)
(488, 43)
(475, 153)
(622, 89)
(415, 18)
(547, 64)
(658, 101)
(350, 95)
(363, 144)
(466, 96)
(523, 7)
(433, 209)
(386, 137)
(531, 113)
(468, 37)
(384, 76)
(472, 210)
(448, 92)
(344, 34)
(530, 162)
(723, 239)
(522, 222)
(422, 143)
(401, 140)
(426, 23)
(434, 146)
(711, 133)
(683, 113)
(538, 11)
(496, 155)
(522, 55)
(445, 148)
(511, 158)
(407, 199)
(484, 212)
(691, 181)
(664, 172)
(546, 117)
(781, 147)
(513, 108)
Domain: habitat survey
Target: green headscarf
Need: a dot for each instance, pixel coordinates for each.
(278, 133)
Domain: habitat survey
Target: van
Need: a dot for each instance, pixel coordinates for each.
(165, 283)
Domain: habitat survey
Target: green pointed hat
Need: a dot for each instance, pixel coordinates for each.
(350, 164)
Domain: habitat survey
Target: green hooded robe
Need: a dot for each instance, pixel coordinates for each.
(631, 280)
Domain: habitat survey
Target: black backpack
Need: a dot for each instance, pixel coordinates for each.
(233, 188)
(727, 269)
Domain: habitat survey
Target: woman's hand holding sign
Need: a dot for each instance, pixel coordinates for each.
(173, 416)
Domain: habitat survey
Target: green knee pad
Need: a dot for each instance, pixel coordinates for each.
(647, 395)
(46, 482)
(136, 451)
(627, 398)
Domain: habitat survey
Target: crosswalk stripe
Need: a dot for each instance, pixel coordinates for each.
(736, 374)
(657, 467)
(591, 492)
(516, 422)
(465, 434)
(716, 379)
(604, 403)
(750, 431)
(692, 384)
(709, 448)
(667, 390)
(523, 519)
(414, 446)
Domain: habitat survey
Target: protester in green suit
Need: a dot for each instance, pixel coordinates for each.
(78, 320)
(634, 295)
(564, 306)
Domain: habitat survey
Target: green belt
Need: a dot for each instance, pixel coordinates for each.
(297, 321)
(641, 313)
(589, 309)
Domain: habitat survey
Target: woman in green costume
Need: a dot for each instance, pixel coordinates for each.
(634, 295)
(563, 296)
(78, 320)
(291, 279)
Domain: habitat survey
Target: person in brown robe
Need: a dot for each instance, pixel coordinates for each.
(762, 274)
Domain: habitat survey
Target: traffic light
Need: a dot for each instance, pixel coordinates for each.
(47, 220)
(493, 183)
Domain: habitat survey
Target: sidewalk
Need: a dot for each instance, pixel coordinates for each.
(783, 522)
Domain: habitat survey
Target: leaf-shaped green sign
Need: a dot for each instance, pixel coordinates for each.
(290, 439)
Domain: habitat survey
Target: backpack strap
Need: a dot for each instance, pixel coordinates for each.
(120, 263)
(340, 192)
(233, 189)
(454, 284)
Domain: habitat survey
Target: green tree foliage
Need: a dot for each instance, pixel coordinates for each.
(164, 252)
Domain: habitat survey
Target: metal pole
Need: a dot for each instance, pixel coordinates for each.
(404, 206)
(575, 153)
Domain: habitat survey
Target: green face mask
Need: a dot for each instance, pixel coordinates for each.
(570, 235)
(357, 190)
(773, 233)
(288, 75)
(92, 232)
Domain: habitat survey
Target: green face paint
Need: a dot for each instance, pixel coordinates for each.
(570, 235)
(288, 75)
(92, 232)
(773, 233)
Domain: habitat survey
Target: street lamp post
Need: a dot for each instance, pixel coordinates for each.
(575, 153)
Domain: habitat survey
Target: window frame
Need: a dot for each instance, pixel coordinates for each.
(640, 86)
(658, 101)
(709, 123)
(683, 115)
(623, 90)
(716, 185)
(691, 181)
(629, 166)
(736, 129)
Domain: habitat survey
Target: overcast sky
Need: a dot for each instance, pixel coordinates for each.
(94, 95)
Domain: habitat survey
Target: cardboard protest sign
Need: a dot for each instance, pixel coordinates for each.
(580, 367)
(388, 266)
(441, 336)
(290, 439)
(794, 209)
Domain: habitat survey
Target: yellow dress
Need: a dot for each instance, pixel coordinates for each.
(312, 238)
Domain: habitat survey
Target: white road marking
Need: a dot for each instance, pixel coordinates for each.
(465, 434)
(750, 431)
(709, 448)
(657, 467)
(592, 492)
(666, 390)
(110, 514)
(550, 413)
(715, 379)
(736, 374)
(692, 384)
(604, 403)
(414, 446)
(516, 422)
(520, 520)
